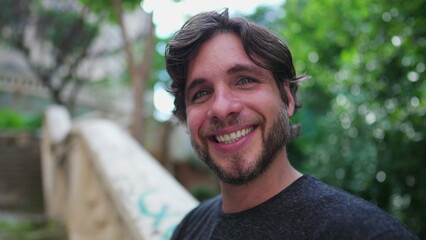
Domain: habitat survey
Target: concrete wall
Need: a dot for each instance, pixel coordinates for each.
(102, 185)
(20, 172)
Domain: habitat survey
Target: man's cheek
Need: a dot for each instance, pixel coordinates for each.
(192, 128)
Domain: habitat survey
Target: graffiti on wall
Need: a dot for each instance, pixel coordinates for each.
(163, 219)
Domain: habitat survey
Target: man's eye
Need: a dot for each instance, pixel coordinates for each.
(245, 81)
(200, 94)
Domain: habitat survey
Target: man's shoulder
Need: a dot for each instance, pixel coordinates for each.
(339, 212)
(208, 207)
(329, 196)
(198, 220)
(307, 209)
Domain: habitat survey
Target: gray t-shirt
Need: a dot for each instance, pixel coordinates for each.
(307, 209)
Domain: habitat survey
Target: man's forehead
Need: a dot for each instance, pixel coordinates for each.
(224, 53)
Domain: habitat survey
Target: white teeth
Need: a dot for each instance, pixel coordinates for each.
(232, 137)
(227, 138)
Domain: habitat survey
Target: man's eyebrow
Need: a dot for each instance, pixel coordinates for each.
(238, 68)
(195, 83)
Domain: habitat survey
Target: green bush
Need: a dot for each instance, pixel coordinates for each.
(29, 230)
(13, 120)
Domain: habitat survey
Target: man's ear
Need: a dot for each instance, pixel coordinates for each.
(290, 100)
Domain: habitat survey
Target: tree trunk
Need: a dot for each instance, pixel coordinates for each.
(139, 91)
(133, 72)
(164, 157)
(73, 97)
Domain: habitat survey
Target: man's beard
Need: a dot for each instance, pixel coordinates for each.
(272, 143)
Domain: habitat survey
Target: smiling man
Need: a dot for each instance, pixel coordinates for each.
(235, 89)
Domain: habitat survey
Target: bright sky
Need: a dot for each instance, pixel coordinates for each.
(169, 17)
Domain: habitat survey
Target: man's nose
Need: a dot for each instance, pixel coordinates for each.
(224, 105)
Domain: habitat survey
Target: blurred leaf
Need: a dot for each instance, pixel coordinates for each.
(12, 120)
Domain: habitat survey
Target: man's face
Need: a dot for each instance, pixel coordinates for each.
(236, 118)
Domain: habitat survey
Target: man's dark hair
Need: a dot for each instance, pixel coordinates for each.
(261, 46)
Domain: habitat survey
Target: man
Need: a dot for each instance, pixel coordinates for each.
(235, 88)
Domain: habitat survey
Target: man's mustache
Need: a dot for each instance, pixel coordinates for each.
(217, 125)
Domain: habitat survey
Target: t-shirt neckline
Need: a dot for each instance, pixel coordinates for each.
(225, 215)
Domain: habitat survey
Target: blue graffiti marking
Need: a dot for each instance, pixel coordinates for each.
(157, 216)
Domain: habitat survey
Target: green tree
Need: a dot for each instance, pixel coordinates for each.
(363, 116)
(139, 70)
(56, 49)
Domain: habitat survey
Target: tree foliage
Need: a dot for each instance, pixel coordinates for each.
(57, 47)
(106, 7)
(139, 71)
(363, 116)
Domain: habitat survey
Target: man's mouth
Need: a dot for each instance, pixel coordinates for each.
(234, 136)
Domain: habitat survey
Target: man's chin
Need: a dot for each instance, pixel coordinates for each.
(237, 168)
(237, 180)
(235, 171)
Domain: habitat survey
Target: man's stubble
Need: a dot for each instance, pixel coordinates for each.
(272, 143)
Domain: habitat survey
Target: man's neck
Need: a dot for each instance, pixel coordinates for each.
(279, 175)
